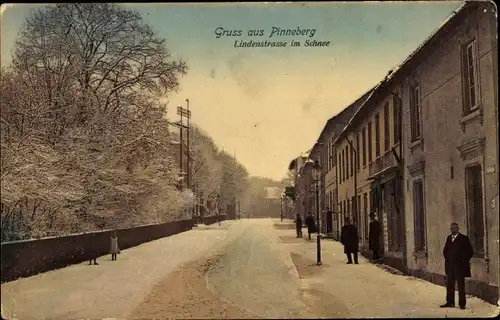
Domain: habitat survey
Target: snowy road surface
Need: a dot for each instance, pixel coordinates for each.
(253, 269)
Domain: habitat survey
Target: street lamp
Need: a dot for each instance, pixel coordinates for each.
(316, 178)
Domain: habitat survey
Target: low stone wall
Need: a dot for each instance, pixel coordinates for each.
(30, 257)
(213, 219)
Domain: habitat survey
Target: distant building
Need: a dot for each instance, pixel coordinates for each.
(331, 223)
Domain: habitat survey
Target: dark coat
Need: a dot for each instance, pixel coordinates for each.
(374, 235)
(349, 238)
(311, 226)
(457, 255)
(298, 223)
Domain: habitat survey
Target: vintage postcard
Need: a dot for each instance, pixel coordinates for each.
(272, 160)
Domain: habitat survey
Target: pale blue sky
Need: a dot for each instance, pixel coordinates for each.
(267, 105)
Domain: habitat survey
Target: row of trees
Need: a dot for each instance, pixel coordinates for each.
(84, 136)
(215, 171)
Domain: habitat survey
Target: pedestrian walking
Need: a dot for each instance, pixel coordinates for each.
(374, 237)
(95, 261)
(114, 248)
(349, 238)
(298, 226)
(311, 226)
(457, 253)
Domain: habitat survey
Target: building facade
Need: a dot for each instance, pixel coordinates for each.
(450, 116)
(421, 152)
(299, 179)
(330, 166)
(368, 154)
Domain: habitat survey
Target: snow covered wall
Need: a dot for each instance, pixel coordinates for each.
(30, 257)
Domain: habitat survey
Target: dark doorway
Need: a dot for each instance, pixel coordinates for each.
(329, 222)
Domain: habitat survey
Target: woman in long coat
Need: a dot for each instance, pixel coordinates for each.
(311, 226)
(114, 249)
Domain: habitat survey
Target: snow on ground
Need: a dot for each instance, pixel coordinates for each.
(260, 268)
(110, 289)
(366, 290)
(256, 274)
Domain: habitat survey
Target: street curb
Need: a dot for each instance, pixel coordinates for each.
(389, 269)
(289, 262)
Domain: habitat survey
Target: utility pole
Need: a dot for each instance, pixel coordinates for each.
(181, 148)
(188, 149)
(184, 113)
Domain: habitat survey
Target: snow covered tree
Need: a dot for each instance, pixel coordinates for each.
(85, 141)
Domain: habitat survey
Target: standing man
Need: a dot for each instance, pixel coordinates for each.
(374, 237)
(298, 225)
(311, 227)
(349, 238)
(457, 253)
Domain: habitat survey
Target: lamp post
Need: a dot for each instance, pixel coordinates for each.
(316, 178)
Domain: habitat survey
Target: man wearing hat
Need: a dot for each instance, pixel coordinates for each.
(349, 238)
(374, 236)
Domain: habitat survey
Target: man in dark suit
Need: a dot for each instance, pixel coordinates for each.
(298, 226)
(349, 238)
(457, 254)
(374, 237)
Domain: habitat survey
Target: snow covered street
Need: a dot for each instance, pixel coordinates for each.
(241, 269)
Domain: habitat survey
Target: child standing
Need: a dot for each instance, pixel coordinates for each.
(114, 249)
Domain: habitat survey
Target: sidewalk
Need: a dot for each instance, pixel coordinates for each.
(366, 290)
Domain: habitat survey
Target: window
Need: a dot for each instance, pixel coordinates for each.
(341, 212)
(348, 208)
(346, 163)
(326, 157)
(332, 154)
(352, 159)
(415, 112)
(370, 153)
(396, 114)
(371, 201)
(354, 211)
(387, 134)
(331, 201)
(474, 190)
(364, 147)
(377, 135)
(358, 151)
(344, 211)
(338, 170)
(470, 78)
(358, 216)
(342, 171)
(418, 213)
(365, 212)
